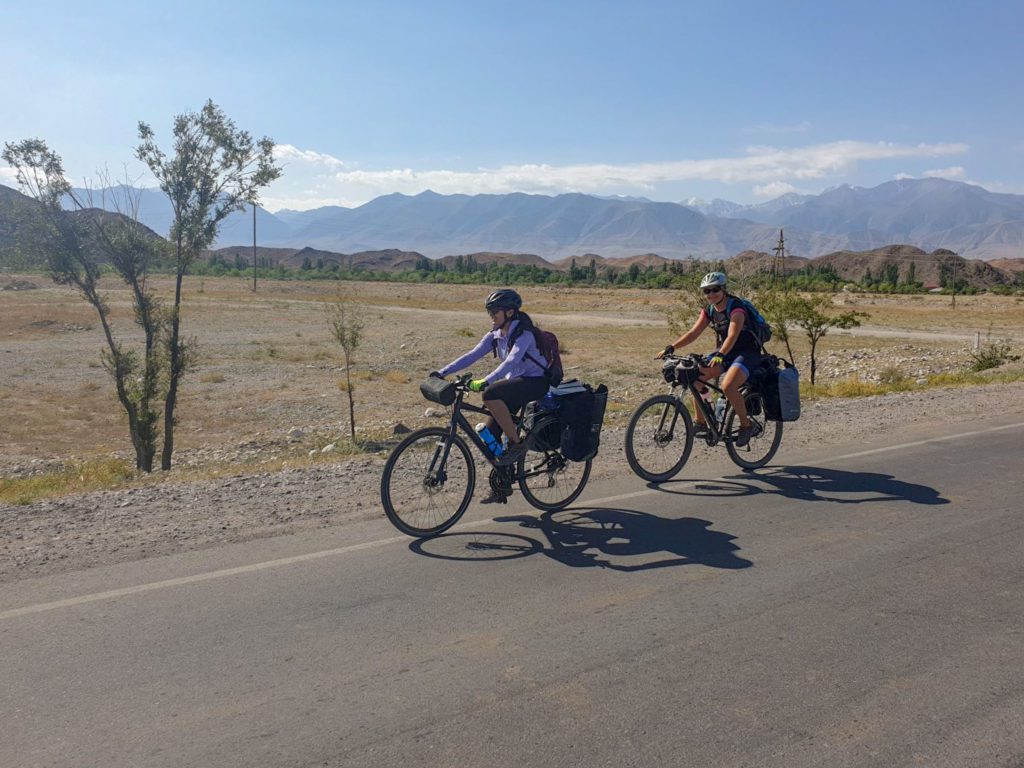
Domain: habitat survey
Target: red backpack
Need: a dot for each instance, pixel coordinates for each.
(547, 345)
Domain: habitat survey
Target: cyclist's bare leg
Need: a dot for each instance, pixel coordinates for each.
(501, 415)
(731, 383)
(706, 374)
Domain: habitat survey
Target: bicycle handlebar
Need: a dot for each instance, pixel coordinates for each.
(687, 361)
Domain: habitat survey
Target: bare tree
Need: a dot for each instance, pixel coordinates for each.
(346, 324)
(73, 246)
(778, 309)
(814, 315)
(214, 170)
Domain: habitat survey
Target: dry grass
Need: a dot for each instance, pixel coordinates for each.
(85, 476)
(857, 387)
(275, 349)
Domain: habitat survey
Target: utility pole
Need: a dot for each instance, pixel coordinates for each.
(954, 282)
(254, 247)
(779, 262)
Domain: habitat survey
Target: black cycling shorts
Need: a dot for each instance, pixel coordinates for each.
(516, 393)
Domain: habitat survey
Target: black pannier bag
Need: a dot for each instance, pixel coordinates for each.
(549, 436)
(439, 391)
(780, 391)
(582, 418)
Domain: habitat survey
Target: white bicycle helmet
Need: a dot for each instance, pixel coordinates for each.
(713, 278)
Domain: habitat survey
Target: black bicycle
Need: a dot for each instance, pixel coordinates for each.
(660, 434)
(429, 478)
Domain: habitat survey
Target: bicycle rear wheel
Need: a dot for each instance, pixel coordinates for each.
(548, 480)
(762, 446)
(551, 482)
(659, 438)
(422, 497)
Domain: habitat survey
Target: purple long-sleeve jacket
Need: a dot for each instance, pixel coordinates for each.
(515, 362)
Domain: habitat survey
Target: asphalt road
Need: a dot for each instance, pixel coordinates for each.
(860, 608)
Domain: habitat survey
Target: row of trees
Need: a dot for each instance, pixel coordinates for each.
(674, 275)
(211, 170)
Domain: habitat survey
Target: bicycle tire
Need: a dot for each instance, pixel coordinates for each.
(564, 480)
(417, 477)
(768, 441)
(658, 442)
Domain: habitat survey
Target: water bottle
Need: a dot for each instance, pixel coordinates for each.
(549, 402)
(720, 409)
(492, 443)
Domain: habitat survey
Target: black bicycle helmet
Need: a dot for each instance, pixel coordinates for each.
(504, 298)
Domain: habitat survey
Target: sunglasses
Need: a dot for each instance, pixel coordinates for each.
(711, 290)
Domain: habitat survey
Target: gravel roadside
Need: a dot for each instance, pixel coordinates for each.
(100, 528)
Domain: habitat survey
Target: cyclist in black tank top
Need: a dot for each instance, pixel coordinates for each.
(738, 353)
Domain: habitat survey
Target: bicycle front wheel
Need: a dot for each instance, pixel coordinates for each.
(763, 443)
(423, 495)
(659, 438)
(548, 480)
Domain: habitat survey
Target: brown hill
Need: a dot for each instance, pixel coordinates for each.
(490, 257)
(927, 267)
(243, 253)
(749, 263)
(1012, 266)
(617, 262)
(391, 260)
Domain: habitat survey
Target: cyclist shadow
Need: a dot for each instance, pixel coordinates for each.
(839, 487)
(813, 484)
(629, 540)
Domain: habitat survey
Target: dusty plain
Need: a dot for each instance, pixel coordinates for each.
(267, 365)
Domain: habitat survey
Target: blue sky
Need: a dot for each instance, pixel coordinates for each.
(666, 100)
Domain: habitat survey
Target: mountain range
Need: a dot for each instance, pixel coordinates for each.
(925, 213)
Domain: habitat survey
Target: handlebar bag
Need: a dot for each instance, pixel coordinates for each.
(438, 390)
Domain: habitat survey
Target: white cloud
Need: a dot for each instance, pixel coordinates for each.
(956, 172)
(8, 176)
(773, 189)
(311, 177)
(288, 154)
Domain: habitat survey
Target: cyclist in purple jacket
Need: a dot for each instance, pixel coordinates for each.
(519, 378)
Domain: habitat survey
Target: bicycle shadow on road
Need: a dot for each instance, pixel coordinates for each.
(811, 484)
(840, 487)
(630, 540)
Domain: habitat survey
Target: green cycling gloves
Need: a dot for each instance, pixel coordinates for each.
(477, 385)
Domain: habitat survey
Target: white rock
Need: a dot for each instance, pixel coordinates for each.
(295, 433)
(329, 448)
(431, 412)
(313, 452)
(922, 382)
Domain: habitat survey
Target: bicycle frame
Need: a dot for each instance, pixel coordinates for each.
(716, 429)
(458, 420)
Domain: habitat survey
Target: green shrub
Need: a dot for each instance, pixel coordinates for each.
(992, 355)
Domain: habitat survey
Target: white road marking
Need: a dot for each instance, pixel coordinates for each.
(225, 572)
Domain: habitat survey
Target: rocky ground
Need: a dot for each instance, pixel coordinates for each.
(261, 446)
(115, 526)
